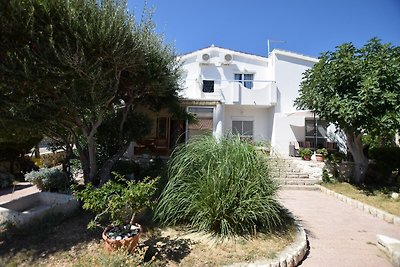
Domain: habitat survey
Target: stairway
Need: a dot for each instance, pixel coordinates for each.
(290, 174)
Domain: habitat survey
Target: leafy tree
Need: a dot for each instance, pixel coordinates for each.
(358, 90)
(71, 64)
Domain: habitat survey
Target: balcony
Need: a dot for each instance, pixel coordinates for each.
(263, 93)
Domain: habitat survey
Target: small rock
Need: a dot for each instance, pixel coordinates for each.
(118, 238)
(395, 195)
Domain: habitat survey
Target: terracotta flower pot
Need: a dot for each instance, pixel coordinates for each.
(306, 157)
(127, 243)
(319, 157)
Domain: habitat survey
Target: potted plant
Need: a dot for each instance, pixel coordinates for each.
(321, 154)
(305, 153)
(116, 204)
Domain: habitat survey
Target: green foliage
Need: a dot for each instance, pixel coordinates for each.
(373, 141)
(119, 199)
(322, 151)
(325, 176)
(110, 138)
(386, 163)
(49, 179)
(305, 152)
(336, 157)
(220, 186)
(72, 65)
(356, 89)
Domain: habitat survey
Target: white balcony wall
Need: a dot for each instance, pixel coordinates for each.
(236, 94)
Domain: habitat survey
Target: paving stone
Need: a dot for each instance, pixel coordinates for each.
(339, 235)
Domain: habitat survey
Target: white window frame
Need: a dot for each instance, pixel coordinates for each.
(243, 81)
(242, 120)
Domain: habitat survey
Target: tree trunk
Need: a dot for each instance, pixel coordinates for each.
(84, 161)
(91, 143)
(105, 170)
(355, 146)
(68, 156)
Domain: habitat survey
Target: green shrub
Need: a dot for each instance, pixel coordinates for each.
(49, 179)
(305, 152)
(386, 165)
(223, 187)
(336, 157)
(118, 200)
(323, 151)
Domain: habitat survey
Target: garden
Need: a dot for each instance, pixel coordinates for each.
(213, 203)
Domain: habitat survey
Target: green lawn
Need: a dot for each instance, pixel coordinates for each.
(376, 196)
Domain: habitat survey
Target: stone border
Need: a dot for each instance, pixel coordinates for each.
(291, 256)
(391, 247)
(376, 212)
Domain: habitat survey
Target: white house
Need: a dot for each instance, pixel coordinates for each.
(232, 91)
(252, 95)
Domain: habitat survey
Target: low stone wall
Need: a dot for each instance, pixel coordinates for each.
(35, 207)
(341, 171)
(291, 256)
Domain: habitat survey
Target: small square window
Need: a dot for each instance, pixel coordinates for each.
(208, 86)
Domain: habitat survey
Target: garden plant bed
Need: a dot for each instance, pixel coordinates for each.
(373, 195)
(71, 244)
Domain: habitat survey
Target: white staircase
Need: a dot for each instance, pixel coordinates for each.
(291, 173)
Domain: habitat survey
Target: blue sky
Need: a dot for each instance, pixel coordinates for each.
(307, 26)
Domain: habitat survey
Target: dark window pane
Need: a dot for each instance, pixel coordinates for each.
(238, 77)
(237, 127)
(310, 129)
(322, 125)
(247, 128)
(208, 86)
(248, 80)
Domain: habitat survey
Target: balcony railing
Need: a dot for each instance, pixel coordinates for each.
(263, 93)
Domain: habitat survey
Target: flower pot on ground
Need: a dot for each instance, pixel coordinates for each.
(305, 153)
(115, 202)
(122, 236)
(321, 154)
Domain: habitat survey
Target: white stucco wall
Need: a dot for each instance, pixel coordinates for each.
(195, 71)
(287, 68)
(262, 117)
(288, 73)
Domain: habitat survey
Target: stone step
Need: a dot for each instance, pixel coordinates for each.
(299, 187)
(286, 170)
(297, 181)
(291, 175)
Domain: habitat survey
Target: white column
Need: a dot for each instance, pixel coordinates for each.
(219, 120)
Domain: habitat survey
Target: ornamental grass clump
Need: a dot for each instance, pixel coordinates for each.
(220, 186)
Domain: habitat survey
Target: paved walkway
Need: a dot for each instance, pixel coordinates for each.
(339, 234)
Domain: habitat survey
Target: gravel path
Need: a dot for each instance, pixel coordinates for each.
(339, 234)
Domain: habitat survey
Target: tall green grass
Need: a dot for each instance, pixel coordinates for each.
(220, 186)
